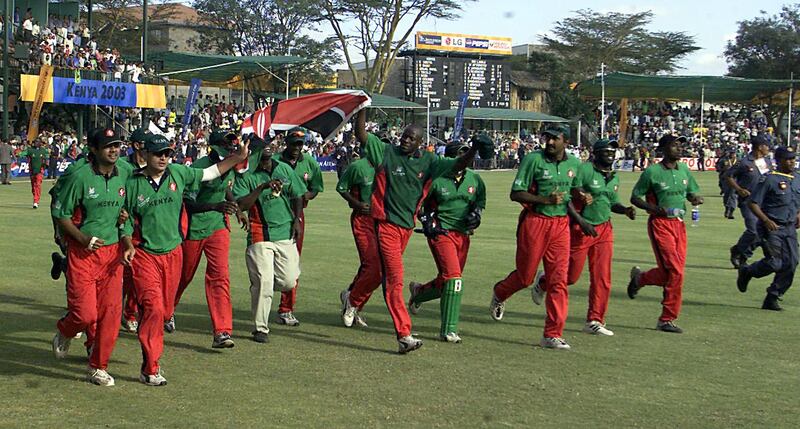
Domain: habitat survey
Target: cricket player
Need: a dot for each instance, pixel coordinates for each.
(273, 196)
(662, 190)
(308, 170)
(776, 204)
(743, 178)
(152, 240)
(402, 176)
(592, 235)
(209, 233)
(87, 209)
(355, 186)
(37, 155)
(543, 186)
(452, 211)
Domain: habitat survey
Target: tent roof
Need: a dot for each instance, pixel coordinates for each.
(379, 101)
(499, 115)
(716, 89)
(216, 68)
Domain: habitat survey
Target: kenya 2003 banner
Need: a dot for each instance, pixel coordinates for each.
(67, 90)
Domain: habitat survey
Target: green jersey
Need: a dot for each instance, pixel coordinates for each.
(93, 202)
(453, 199)
(666, 187)
(66, 176)
(156, 209)
(202, 225)
(358, 178)
(271, 216)
(603, 190)
(36, 158)
(401, 180)
(539, 176)
(307, 169)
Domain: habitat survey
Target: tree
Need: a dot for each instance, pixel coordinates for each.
(115, 19)
(767, 47)
(378, 37)
(266, 28)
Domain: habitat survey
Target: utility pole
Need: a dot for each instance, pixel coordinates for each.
(7, 25)
(144, 31)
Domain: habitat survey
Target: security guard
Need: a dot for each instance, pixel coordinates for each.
(776, 203)
(743, 178)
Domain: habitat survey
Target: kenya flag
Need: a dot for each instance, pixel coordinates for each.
(325, 113)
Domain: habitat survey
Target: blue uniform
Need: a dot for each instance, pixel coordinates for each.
(747, 175)
(778, 196)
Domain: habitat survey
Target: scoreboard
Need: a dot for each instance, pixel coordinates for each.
(486, 81)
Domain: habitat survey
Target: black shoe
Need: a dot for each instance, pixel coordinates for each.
(260, 337)
(743, 279)
(222, 341)
(633, 285)
(737, 259)
(169, 325)
(668, 326)
(55, 270)
(771, 303)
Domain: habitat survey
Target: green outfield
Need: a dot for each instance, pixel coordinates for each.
(735, 365)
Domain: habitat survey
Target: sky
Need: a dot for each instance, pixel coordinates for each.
(711, 22)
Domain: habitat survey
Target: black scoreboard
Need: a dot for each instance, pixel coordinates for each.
(484, 80)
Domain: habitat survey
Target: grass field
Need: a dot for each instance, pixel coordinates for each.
(736, 365)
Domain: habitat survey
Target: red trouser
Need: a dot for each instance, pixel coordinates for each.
(218, 283)
(392, 242)
(369, 272)
(542, 238)
(155, 280)
(129, 308)
(668, 237)
(288, 299)
(36, 186)
(94, 298)
(599, 249)
(450, 254)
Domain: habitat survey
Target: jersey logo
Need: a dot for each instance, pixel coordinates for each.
(92, 193)
(663, 185)
(109, 132)
(420, 174)
(173, 187)
(399, 171)
(546, 174)
(121, 192)
(685, 182)
(570, 173)
(471, 190)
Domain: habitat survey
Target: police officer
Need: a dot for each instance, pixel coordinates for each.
(743, 178)
(730, 198)
(775, 202)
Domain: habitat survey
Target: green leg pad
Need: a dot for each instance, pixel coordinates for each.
(450, 305)
(428, 295)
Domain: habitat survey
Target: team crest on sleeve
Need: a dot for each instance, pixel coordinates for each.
(173, 187)
(121, 192)
(471, 190)
(570, 173)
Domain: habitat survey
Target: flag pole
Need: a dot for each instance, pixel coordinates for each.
(789, 122)
(602, 100)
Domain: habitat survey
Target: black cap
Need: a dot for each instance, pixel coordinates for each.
(157, 143)
(759, 140)
(295, 135)
(605, 143)
(102, 137)
(783, 152)
(557, 129)
(139, 135)
(221, 137)
(669, 138)
(453, 150)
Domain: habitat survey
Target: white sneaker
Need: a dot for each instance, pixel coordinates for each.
(349, 313)
(36, 205)
(60, 345)
(537, 294)
(361, 322)
(99, 377)
(596, 328)
(131, 326)
(408, 344)
(153, 379)
(554, 343)
(413, 307)
(451, 337)
(497, 307)
(287, 319)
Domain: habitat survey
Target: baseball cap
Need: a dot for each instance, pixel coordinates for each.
(102, 137)
(784, 152)
(557, 129)
(139, 135)
(455, 149)
(759, 140)
(221, 137)
(605, 143)
(295, 135)
(669, 138)
(156, 143)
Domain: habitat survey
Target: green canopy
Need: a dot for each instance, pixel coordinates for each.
(498, 115)
(379, 101)
(714, 89)
(216, 68)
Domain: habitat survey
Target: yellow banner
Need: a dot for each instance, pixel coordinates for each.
(45, 75)
(146, 96)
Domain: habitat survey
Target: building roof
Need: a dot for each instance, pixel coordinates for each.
(169, 13)
(526, 79)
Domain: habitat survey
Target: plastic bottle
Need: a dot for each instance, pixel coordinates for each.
(695, 215)
(674, 212)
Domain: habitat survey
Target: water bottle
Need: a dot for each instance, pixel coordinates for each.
(674, 212)
(695, 215)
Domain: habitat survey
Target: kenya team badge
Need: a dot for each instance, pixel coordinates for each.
(471, 189)
(121, 192)
(173, 187)
(570, 173)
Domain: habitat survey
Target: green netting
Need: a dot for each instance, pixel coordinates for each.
(714, 89)
(186, 66)
(499, 115)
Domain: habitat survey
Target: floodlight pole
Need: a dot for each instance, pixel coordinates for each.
(428, 128)
(7, 25)
(144, 31)
(702, 107)
(789, 122)
(289, 51)
(602, 100)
